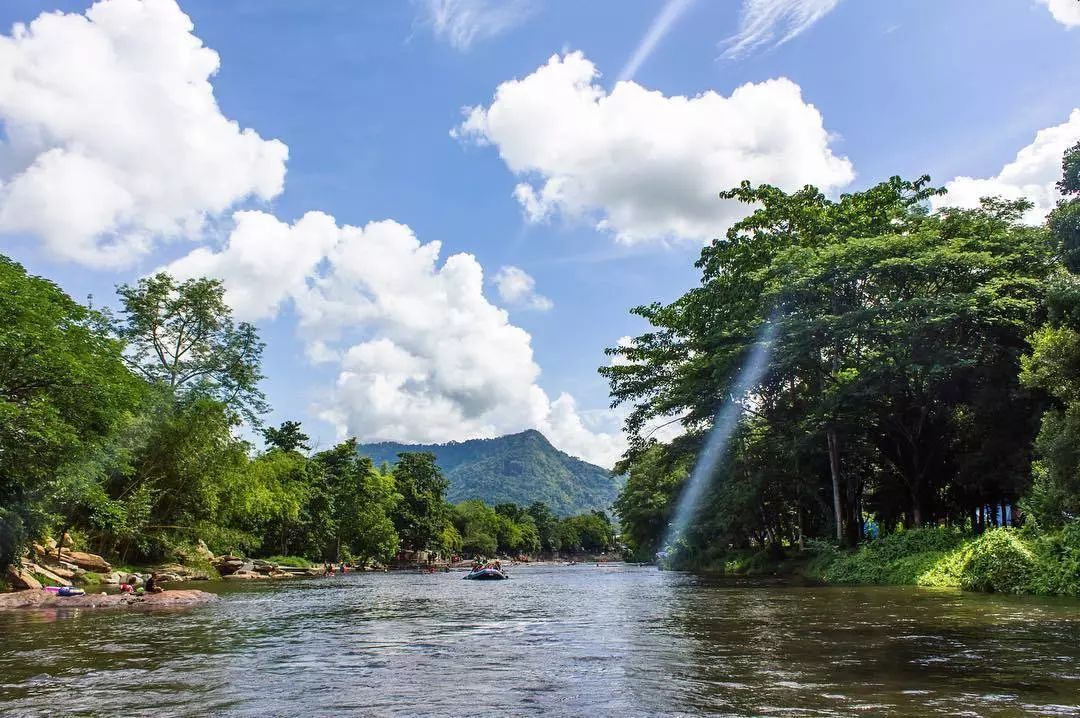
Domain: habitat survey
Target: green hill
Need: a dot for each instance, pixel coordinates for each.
(521, 468)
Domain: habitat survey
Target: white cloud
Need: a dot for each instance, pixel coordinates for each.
(774, 21)
(624, 342)
(661, 24)
(517, 288)
(1032, 174)
(463, 22)
(645, 166)
(1067, 12)
(113, 136)
(422, 354)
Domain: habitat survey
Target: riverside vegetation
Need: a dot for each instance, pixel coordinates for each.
(120, 431)
(919, 422)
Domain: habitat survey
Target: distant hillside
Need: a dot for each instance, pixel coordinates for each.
(521, 468)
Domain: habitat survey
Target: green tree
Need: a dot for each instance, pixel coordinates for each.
(182, 335)
(421, 513)
(287, 437)
(64, 390)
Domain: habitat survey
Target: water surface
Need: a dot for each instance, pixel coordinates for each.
(571, 641)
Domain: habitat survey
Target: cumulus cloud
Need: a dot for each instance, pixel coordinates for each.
(642, 165)
(774, 22)
(113, 136)
(421, 353)
(463, 22)
(1067, 12)
(1032, 174)
(517, 288)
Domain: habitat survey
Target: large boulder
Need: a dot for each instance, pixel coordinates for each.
(21, 579)
(228, 564)
(52, 577)
(87, 561)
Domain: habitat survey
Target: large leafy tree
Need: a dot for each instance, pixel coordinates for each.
(1054, 365)
(898, 339)
(421, 514)
(182, 335)
(64, 389)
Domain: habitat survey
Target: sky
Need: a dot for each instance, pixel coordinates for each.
(438, 213)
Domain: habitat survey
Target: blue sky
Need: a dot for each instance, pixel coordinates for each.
(366, 95)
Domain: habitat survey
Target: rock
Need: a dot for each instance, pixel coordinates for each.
(242, 575)
(62, 571)
(21, 579)
(86, 561)
(52, 577)
(228, 564)
(111, 579)
(40, 598)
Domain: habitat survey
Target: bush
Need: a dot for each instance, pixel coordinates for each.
(1000, 562)
(292, 561)
(1058, 561)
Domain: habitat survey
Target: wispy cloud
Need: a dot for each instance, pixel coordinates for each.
(774, 22)
(463, 22)
(661, 24)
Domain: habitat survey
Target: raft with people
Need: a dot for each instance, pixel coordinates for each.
(486, 572)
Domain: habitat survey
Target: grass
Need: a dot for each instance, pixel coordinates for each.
(292, 561)
(1002, 560)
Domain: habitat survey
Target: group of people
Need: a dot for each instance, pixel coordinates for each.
(328, 569)
(479, 565)
(152, 585)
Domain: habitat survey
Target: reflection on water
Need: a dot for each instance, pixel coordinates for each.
(553, 641)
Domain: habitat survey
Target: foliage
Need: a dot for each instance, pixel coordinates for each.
(893, 384)
(287, 437)
(518, 468)
(421, 513)
(1000, 562)
(64, 389)
(182, 335)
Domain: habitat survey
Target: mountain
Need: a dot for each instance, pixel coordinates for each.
(521, 468)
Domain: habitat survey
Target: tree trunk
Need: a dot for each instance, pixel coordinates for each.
(834, 468)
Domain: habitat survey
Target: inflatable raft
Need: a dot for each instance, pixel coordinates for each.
(486, 574)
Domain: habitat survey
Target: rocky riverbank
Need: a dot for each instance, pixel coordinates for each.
(40, 598)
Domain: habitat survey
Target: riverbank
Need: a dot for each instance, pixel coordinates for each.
(1002, 560)
(40, 598)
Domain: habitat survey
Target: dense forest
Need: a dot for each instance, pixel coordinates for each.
(925, 371)
(123, 431)
(517, 468)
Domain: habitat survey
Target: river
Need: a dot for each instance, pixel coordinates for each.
(573, 641)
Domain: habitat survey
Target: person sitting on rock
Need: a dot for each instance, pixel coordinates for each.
(152, 584)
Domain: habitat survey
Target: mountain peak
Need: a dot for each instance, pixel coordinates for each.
(519, 468)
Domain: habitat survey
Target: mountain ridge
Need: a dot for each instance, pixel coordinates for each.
(521, 468)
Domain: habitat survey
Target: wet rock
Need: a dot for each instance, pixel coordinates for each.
(39, 598)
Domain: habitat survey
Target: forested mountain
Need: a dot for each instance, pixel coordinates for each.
(519, 468)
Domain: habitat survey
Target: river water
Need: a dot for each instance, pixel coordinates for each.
(573, 641)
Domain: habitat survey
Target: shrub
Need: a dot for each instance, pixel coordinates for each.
(293, 561)
(999, 561)
(1058, 561)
